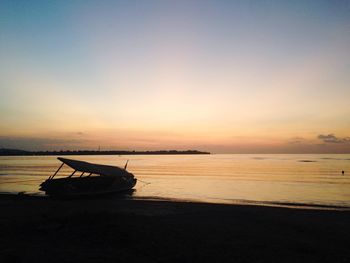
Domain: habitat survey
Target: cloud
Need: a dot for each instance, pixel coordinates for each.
(34, 143)
(298, 140)
(331, 138)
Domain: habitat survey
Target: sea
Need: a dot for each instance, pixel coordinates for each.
(264, 179)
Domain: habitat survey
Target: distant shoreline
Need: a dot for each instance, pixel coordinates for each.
(15, 152)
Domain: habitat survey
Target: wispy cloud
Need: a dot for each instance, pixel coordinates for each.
(331, 138)
(298, 140)
(33, 143)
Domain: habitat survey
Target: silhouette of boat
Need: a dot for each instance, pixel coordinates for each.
(95, 179)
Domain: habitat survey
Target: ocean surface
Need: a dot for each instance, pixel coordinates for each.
(272, 179)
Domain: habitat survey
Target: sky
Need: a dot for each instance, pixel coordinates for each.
(221, 76)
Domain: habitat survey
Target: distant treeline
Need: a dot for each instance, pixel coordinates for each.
(14, 152)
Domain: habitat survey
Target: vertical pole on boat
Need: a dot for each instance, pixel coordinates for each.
(51, 177)
(72, 174)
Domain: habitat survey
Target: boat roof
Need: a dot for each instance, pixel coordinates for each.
(92, 167)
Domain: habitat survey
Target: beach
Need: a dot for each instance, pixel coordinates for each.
(39, 229)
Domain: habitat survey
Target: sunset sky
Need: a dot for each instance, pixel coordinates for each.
(221, 76)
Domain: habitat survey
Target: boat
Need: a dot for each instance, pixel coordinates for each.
(88, 179)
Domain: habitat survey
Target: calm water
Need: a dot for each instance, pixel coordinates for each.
(218, 178)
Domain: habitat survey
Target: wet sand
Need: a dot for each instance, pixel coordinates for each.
(37, 229)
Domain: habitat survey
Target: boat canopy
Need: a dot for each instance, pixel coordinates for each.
(93, 168)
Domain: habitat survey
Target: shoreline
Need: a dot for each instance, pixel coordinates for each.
(236, 202)
(128, 230)
(17, 152)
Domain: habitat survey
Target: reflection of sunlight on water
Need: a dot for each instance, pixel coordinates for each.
(313, 179)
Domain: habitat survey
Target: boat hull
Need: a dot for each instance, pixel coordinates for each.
(87, 186)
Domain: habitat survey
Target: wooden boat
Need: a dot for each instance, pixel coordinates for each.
(95, 179)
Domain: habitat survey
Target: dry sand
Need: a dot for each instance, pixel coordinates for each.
(36, 229)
